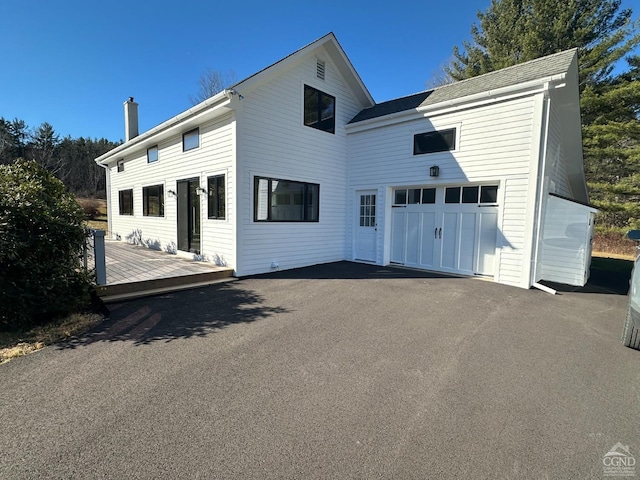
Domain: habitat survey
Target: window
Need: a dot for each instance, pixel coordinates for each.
(152, 154)
(285, 201)
(489, 194)
(433, 142)
(216, 197)
(470, 194)
(153, 201)
(120, 165)
(191, 139)
(319, 110)
(125, 202)
(414, 196)
(367, 210)
(452, 195)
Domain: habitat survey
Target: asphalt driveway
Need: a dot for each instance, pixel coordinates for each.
(337, 371)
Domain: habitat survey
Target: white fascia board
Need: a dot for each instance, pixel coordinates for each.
(210, 108)
(467, 102)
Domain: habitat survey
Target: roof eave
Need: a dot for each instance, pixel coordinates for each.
(211, 106)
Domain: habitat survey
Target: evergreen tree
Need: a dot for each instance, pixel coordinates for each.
(515, 31)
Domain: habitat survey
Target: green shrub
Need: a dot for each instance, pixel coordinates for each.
(41, 241)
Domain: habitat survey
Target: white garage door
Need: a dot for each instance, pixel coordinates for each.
(451, 229)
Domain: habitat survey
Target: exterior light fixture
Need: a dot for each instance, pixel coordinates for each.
(434, 171)
(172, 193)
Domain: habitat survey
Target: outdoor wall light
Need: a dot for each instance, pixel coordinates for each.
(172, 193)
(434, 171)
(200, 190)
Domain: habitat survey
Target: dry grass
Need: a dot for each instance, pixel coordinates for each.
(613, 245)
(17, 344)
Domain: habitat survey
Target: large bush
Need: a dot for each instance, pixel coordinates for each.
(41, 241)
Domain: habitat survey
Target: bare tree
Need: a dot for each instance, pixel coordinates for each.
(440, 76)
(210, 83)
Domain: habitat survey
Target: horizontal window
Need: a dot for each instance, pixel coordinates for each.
(125, 202)
(472, 194)
(410, 196)
(433, 142)
(153, 201)
(191, 139)
(216, 199)
(152, 154)
(319, 109)
(277, 200)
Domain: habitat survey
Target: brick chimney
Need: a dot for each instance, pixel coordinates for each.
(130, 119)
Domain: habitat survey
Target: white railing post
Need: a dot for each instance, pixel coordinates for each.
(99, 257)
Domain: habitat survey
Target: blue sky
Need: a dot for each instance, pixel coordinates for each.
(74, 63)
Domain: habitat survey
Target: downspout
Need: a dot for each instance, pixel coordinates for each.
(540, 192)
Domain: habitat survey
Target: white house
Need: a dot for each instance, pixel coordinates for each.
(297, 165)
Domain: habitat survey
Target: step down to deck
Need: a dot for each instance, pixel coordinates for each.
(121, 291)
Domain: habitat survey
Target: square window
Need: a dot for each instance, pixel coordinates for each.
(152, 154)
(452, 195)
(414, 195)
(400, 197)
(433, 142)
(191, 140)
(470, 194)
(489, 194)
(428, 195)
(319, 110)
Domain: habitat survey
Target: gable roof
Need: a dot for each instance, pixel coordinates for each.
(337, 54)
(538, 69)
(223, 101)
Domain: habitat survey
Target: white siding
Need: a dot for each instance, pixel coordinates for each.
(214, 156)
(273, 142)
(565, 252)
(511, 234)
(494, 145)
(556, 175)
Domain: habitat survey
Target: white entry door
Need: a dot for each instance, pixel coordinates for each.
(366, 227)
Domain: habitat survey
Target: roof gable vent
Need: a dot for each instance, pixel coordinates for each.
(320, 68)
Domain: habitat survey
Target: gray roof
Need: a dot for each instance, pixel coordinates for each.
(539, 68)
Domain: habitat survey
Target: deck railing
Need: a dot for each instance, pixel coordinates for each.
(94, 255)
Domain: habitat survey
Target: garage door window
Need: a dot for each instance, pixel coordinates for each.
(475, 194)
(414, 196)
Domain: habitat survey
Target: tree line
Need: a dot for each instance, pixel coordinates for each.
(515, 31)
(70, 159)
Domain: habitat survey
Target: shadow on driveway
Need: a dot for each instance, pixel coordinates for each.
(178, 315)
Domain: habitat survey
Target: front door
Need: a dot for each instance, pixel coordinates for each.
(188, 215)
(366, 227)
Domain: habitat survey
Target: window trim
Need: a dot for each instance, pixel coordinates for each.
(186, 134)
(120, 202)
(216, 197)
(154, 147)
(256, 180)
(319, 120)
(145, 201)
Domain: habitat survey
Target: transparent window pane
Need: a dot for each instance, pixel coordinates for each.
(452, 195)
(400, 197)
(470, 194)
(489, 194)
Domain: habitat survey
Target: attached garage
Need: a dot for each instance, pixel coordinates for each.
(451, 229)
(469, 178)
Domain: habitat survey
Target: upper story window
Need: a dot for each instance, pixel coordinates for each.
(319, 110)
(433, 142)
(125, 202)
(152, 154)
(153, 201)
(120, 165)
(216, 204)
(278, 200)
(191, 139)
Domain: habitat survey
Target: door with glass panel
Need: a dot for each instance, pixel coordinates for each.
(366, 226)
(188, 205)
